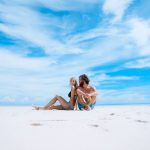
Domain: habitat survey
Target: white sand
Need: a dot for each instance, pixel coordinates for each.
(105, 128)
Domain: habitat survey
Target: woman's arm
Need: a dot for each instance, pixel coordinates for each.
(73, 97)
(76, 105)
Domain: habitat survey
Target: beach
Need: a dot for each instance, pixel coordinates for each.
(104, 128)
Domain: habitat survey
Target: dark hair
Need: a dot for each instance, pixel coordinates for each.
(85, 78)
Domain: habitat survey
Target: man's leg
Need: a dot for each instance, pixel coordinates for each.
(81, 100)
(91, 100)
(82, 104)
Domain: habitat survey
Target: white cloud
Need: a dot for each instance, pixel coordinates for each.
(140, 63)
(94, 33)
(116, 7)
(11, 60)
(98, 79)
(30, 26)
(131, 95)
(139, 32)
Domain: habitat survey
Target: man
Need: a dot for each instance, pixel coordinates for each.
(86, 94)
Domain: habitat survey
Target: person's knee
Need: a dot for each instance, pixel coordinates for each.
(58, 97)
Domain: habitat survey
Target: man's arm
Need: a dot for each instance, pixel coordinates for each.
(92, 96)
(94, 92)
(81, 92)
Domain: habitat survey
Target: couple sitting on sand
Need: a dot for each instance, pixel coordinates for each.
(83, 95)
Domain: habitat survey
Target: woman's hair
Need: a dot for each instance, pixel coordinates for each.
(76, 83)
(85, 78)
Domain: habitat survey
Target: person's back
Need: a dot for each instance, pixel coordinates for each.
(73, 96)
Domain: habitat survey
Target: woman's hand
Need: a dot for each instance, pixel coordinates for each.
(72, 87)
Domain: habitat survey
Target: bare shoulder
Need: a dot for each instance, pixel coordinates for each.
(92, 88)
(72, 88)
(79, 88)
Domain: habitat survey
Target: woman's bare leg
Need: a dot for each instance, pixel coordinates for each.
(52, 102)
(47, 106)
(62, 101)
(58, 107)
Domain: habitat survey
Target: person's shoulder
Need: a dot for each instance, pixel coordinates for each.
(72, 87)
(79, 87)
(92, 87)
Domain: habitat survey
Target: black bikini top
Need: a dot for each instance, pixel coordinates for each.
(69, 94)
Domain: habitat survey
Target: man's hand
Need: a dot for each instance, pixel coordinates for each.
(87, 95)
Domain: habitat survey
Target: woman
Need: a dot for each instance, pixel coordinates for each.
(64, 105)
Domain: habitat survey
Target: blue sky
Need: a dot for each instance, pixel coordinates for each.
(43, 43)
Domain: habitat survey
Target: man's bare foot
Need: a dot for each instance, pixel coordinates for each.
(86, 108)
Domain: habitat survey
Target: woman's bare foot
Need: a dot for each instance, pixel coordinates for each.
(36, 107)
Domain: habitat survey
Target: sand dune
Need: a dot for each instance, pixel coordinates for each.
(105, 128)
